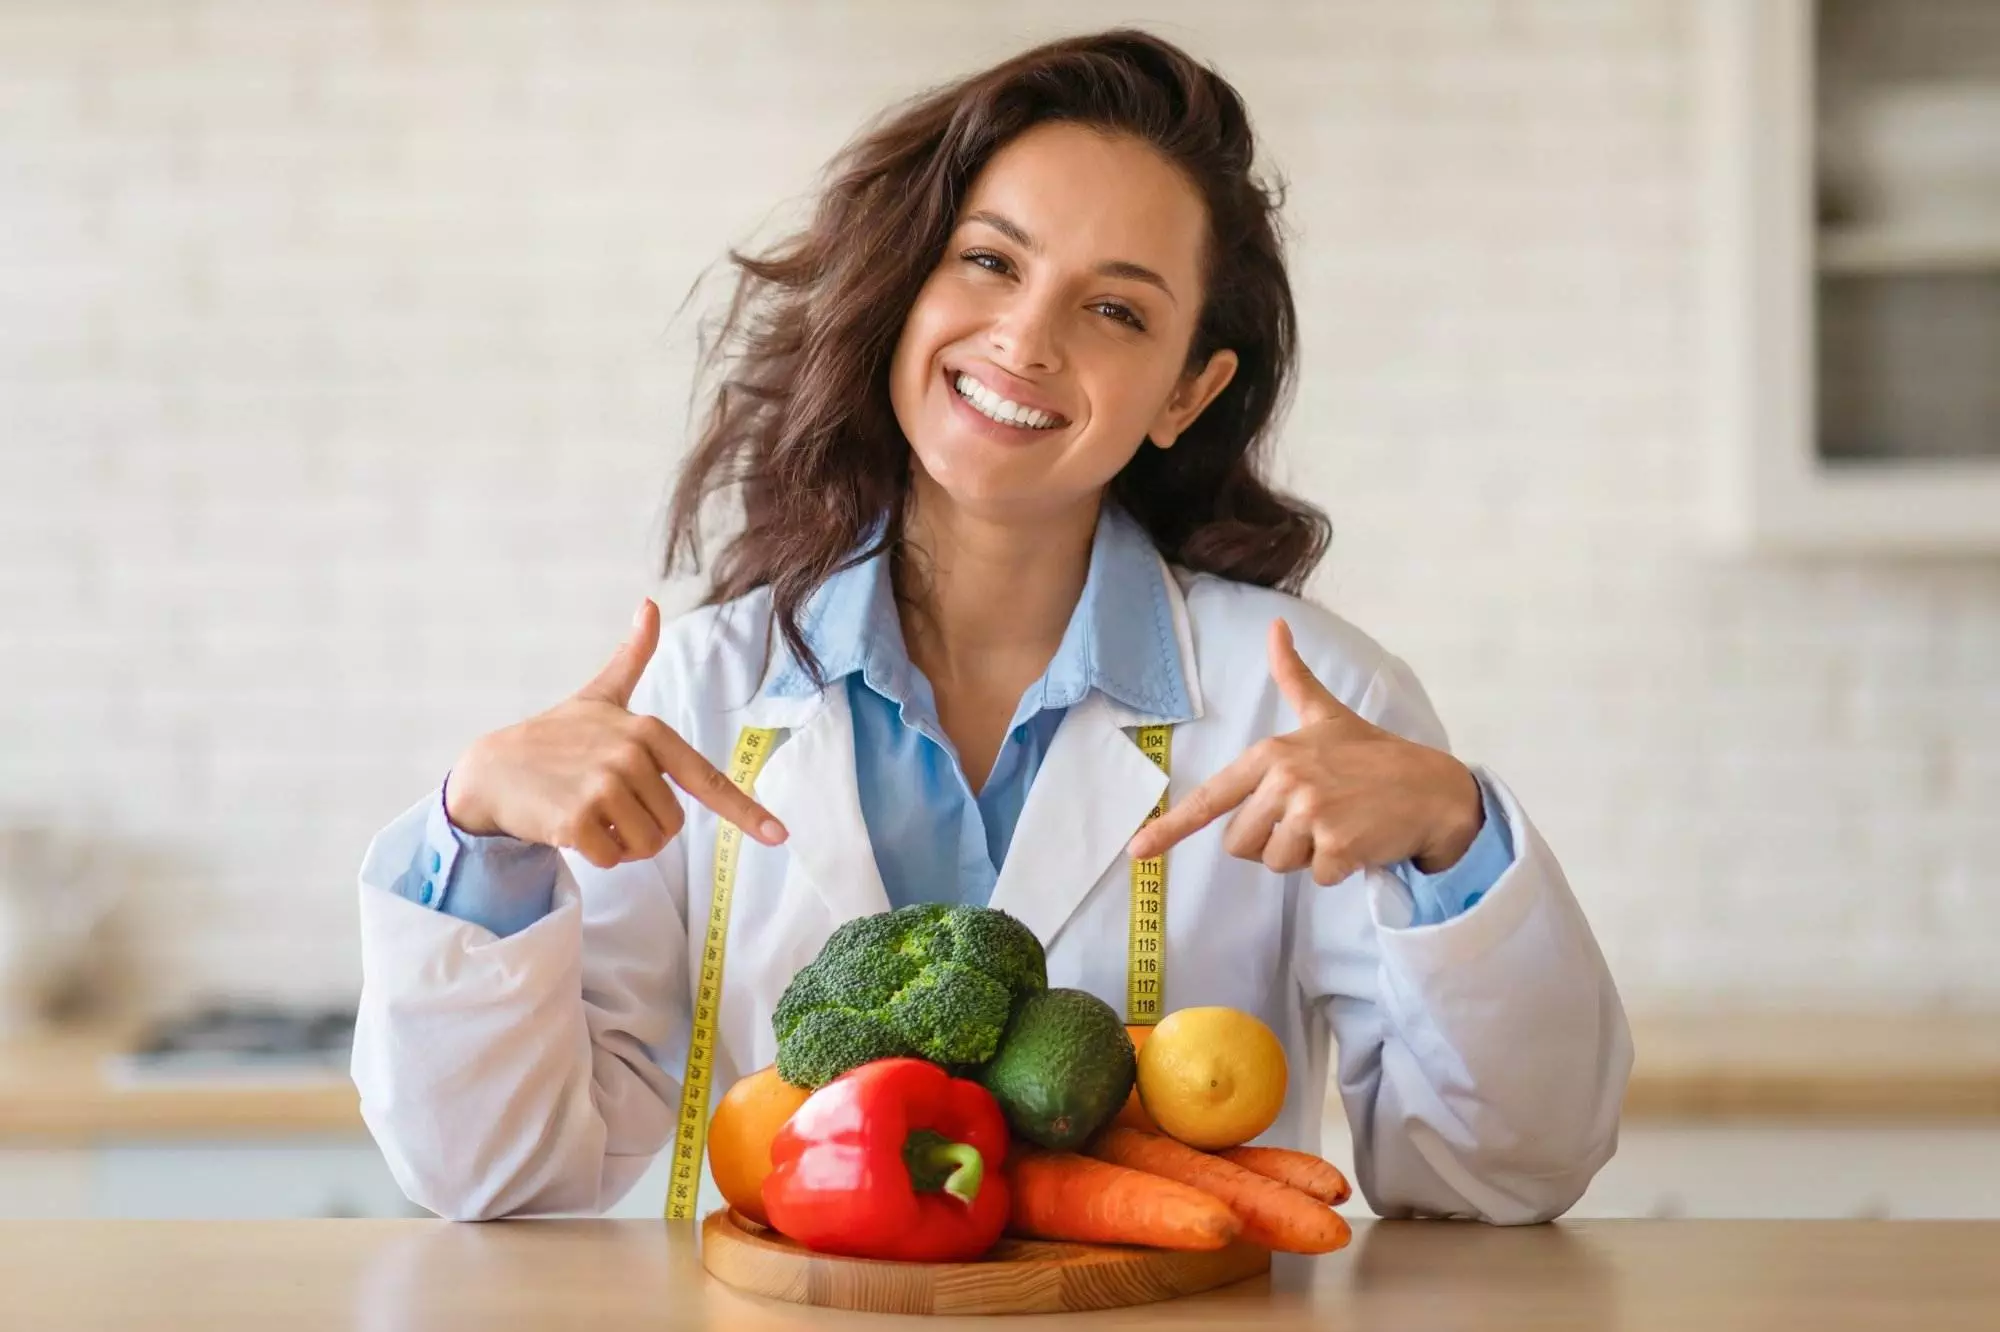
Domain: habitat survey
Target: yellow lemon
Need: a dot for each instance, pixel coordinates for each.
(1212, 1077)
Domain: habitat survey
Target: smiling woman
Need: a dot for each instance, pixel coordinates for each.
(1008, 587)
(1049, 342)
(957, 242)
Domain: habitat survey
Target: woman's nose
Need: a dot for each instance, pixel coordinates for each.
(1026, 336)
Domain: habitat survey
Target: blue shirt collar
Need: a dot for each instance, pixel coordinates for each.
(1120, 639)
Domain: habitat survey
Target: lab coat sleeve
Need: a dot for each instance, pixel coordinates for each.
(1482, 1060)
(520, 1075)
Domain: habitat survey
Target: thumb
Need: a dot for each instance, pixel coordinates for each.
(1310, 699)
(620, 676)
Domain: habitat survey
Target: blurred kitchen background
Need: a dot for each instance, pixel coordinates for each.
(1652, 380)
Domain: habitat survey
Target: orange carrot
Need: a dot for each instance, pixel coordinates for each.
(1062, 1196)
(1302, 1170)
(1273, 1214)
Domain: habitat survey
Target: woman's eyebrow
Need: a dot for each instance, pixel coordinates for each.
(1117, 268)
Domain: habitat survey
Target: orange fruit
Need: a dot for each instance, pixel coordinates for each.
(739, 1136)
(1212, 1077)
(1133, 1114)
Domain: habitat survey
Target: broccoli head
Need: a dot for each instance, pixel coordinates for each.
(829, 1041)
(933, 982)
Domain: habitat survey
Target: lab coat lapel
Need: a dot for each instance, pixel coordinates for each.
(1093, 791)
(809, 783)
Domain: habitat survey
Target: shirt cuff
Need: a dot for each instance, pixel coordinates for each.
(499, 882)
(1454, 891)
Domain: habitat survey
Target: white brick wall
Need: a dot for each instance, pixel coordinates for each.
(340, 384)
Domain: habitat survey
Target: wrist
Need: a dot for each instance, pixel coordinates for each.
(461, 803)
(1462, 813)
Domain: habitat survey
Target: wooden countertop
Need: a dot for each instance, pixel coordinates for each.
(392, 1276)
(1810, 1068)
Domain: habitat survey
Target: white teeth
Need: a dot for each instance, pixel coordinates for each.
(1000, 409)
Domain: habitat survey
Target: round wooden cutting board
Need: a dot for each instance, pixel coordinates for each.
(1016, 1277)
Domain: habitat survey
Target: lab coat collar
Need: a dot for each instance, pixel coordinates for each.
(1092, 792)
(809, 783)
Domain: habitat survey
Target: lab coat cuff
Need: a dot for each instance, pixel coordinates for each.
(1499, 911)
(409, 948)
(498, 881)
(1454, 891)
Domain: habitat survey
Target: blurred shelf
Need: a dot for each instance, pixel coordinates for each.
(1822, 1067)
(54, 1088)
(1782, 294)
(1892, 251)
(1890, 504)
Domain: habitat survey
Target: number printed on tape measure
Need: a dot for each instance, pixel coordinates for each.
(1145, 964)
(753, 746)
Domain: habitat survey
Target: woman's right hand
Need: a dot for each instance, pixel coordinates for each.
(589, 775)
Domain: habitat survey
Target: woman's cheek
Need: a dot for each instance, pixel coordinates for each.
(1123, 401)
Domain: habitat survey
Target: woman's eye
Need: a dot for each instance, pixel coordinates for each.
(1123, 313)
(999, 264)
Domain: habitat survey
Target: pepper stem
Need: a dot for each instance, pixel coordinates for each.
(936, 1162)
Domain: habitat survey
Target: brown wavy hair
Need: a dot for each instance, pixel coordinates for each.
(820, 466)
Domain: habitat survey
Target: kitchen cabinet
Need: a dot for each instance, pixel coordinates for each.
(75, 1143)
(44, 1183)
(1710, 1170)
(1799, 1171)
(282, 1178)
(1795, 1171)
(1851, 273)
(1796, 1115)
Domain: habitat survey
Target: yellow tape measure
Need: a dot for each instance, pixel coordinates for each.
(753, 746)
(1146, 949)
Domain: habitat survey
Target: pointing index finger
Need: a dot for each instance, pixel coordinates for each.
(711, 786)
(1199, 808)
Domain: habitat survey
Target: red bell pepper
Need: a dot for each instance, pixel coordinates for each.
(894, 1159)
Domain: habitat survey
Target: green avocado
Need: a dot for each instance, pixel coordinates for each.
(1063, 1069)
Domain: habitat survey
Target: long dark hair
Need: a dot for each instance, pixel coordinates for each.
(800, 429)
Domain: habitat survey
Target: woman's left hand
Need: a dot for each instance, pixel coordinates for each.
(1339, 794)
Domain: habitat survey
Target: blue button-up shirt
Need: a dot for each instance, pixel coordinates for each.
(935, 838)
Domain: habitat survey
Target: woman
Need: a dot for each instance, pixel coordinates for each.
(997, 420)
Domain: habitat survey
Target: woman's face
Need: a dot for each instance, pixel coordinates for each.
(1051, 342)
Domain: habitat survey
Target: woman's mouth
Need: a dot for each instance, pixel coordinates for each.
(999, 410)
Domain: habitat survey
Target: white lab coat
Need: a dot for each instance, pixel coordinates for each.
(1482, 1062)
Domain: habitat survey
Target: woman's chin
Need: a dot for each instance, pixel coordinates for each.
(978, 476)
(995, 503)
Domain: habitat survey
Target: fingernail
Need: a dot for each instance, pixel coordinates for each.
(771, 831)
(639, 615)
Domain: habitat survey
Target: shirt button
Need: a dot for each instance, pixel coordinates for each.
(430, 890)
(436, 860)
